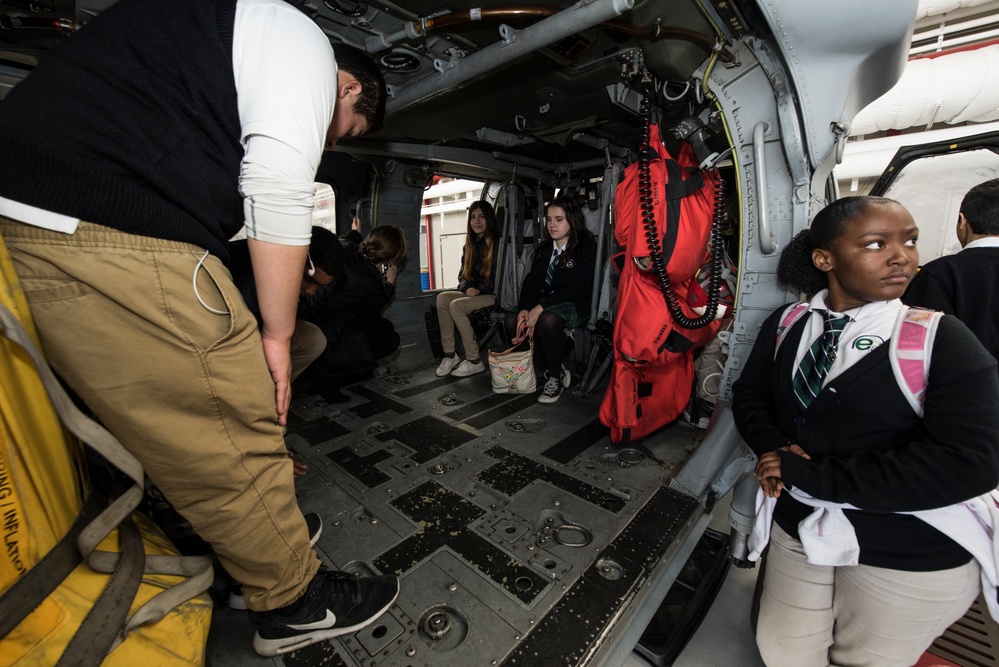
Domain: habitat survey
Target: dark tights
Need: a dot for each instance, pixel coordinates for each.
(549, 342)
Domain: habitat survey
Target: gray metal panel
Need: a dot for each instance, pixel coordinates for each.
(841, 57)
(515, 524)
(773, 209)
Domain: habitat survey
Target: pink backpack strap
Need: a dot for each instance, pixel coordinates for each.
(910, 350)
(791, 315)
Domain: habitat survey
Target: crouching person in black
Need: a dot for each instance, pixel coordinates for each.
(555, 295)
(348, 309)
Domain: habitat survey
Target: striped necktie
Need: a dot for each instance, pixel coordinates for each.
(551, 267)
(819, 358)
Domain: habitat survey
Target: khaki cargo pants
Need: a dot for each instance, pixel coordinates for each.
(187, 391)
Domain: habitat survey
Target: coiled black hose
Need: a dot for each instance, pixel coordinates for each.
(652, 237)
(350, 8)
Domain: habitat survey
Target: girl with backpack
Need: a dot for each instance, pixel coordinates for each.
(476, 289)
(821, 407)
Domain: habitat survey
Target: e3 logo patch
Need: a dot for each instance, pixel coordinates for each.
(865, 343)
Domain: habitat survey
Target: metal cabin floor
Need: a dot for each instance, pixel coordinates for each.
(522, 536)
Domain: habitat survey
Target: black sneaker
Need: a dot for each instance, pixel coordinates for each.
(551, 391)
(314, 522)
(315, 525)
(334, 604)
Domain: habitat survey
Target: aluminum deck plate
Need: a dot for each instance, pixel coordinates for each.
(521, 535)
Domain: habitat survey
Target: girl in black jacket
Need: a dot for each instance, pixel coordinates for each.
(851, 437)
(556, 293)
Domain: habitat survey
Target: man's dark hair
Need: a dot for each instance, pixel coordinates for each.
(326, 251)
(371, 102)
(981, 208)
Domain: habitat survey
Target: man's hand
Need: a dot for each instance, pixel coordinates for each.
(277, 273)
(277, 352)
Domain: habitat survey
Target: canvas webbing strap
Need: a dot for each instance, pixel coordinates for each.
(102, 624)
(196, 569)
(38, 583)
(676, 189)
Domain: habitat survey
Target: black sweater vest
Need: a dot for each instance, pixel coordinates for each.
(133, 124)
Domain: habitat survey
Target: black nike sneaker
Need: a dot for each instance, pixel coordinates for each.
(334, 604)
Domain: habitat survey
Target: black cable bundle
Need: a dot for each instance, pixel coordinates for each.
(655, 249)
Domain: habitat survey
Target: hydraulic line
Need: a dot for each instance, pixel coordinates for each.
(656, 32)
(482, 13)
(13, 21)
(652, 236)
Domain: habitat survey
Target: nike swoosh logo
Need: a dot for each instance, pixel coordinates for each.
(327, 622)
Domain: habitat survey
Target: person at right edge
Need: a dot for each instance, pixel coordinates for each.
(822, 409)
(128, 158)
(555, 294)
(966, 285)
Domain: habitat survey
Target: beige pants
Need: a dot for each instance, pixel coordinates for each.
(452, 311)
(861, 616)
(186, 391)
(309, 342)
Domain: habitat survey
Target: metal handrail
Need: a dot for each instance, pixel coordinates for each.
(760, 167)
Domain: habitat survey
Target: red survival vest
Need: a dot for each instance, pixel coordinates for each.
(653, 370)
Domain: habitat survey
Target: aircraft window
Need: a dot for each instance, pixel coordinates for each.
(324, 211)
(442, 230)
(932, 189)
